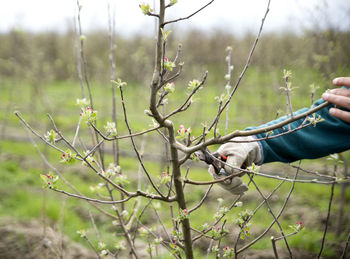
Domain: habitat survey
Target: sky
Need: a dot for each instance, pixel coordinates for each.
(233, 16)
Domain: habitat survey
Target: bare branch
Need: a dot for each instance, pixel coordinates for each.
(302, 125)
(273, 222)
(274, 247)
(314, 173)
(256, 209)
(183, 106)
(223, 179)
(189, 16)
(237, 133)
(82, 56)
(77, 50)
(126, 234)
(228, 84)
(63, 178)
(327, 220)
(81, 197)
(218, 220)
(95, 227)
(160, 221)
(273, 215)
(125, 136)
(172, 78)
(134, 145)
(289, 102)
(92, 246)
(246, 65)
(76, 132)
(346, 247)
(129, 194)
(202, 200)
(111, 30)
(35, 133)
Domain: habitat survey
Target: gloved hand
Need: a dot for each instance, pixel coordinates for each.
(237, 154)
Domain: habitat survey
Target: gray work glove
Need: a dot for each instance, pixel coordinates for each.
(238, 154)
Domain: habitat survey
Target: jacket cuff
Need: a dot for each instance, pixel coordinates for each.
(260, 150)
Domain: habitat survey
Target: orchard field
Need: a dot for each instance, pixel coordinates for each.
(39, 77)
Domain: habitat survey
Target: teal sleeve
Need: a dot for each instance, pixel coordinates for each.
(332, 135)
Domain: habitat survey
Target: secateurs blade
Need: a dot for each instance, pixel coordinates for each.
(205, 155)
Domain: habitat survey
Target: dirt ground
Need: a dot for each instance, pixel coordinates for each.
(31, 241)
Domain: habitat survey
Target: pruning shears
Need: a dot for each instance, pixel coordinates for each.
(205, 155)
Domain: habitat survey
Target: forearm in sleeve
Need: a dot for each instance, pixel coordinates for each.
(329, 136)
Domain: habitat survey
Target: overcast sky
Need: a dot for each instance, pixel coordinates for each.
(234, 16)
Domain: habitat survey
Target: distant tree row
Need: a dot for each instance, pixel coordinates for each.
(51, 56)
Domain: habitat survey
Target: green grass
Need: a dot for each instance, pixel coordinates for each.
(23, 198)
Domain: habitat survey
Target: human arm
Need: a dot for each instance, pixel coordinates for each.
(331, 135)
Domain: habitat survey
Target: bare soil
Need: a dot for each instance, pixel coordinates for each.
(32, 241)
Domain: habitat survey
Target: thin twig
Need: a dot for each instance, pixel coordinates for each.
(126, 232)
(139, 187)
(256, 210)
(189, 16)
(138, 219)
(289, 102)
(63, 178)
(273, 241)
(35, 133)
(314, 173)
(342, 197)
(237, 133)
(268, 136)
(77, 51)
(246, 65)
(134, 145)
(160, 221)
(111, 30)
(273, 215)
(218, 220)
(81, 197)
(82, 55)
(273, 222)
(241, 170)
(185, 104)
(327, 220)
(290, 234)
(93, 247)
(228, 85)
(129, 194)
(125, 136)
(163, 136)
(76, 132)
(346, 247)
(201, 201)
(95, 227)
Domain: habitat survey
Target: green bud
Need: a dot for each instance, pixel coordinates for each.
(82, 103)
(111, 129)
(82, 233)
(51, 136)
(119, 83)
(287, 73)
(49, 180)
(193, 85)
(170, 87)
(146, 9)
